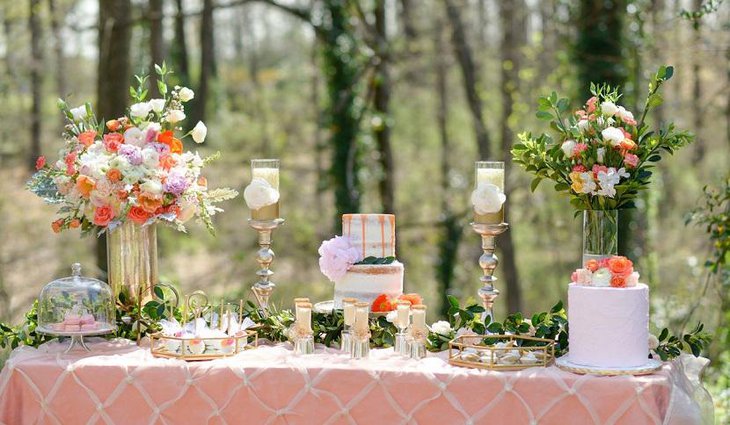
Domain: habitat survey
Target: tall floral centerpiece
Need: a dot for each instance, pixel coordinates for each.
(601, 157)
(123, 176)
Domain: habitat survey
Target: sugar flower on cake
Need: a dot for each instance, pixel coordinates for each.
(616, 271)
(336, 256)
(260, 193)
(487, 198)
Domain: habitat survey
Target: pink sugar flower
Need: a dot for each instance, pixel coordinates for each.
(337, 255)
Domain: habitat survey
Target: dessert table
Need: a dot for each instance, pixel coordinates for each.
(121, 383)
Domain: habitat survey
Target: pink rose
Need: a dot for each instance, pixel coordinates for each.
(579, 149)
(103, 215)
(582, 277)
(337, 255)
(631, 160)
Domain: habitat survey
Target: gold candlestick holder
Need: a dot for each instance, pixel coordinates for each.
(488, 262)
(263, 288)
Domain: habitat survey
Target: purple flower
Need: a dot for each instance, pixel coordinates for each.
(337, 255)
(176, 182)
(132, 153)
(160, 147)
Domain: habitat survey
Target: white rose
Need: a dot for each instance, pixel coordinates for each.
(134, 136)
(609, 108)
(157, 105)
(613, 135)
(150, 158)
(441, 327)
(568, 147)
(260, 193)
(140, 110)
(133, 175)
(633, 279)
(199, 132)
(174, 116)
(185, 94)
(487, 198)
(583, 276)
(151, 186)
(600, 154)
(119, 162)
(602, 277)
(79, 113)
(653, 342)
(583, 125)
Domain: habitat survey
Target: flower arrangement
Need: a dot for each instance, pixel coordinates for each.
(603, 155)
(616, 271)
(131, 168)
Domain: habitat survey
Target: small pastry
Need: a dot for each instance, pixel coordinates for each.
(470, 357)
(529, 358)
(72, 319)
(172, 345)
(195, 346)
(228, 345)
(510, 359)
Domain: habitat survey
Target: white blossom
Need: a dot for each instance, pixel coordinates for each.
(487, 198)
(613, 135)
(441, 327)
(185, 94)
(157, 105)
(260, 193)
(568, 147)
(140, 110)
(199, 132)
(609, 108)
(174, 116)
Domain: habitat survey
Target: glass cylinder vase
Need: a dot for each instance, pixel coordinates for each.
(131, 252)
(600, 234)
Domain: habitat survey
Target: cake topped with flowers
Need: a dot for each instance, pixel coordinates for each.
(616, 272)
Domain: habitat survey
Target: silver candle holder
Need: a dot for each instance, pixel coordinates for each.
(488, 261)
(264, 287)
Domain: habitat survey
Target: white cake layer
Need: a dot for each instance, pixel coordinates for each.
(372, 234)
(609, 327)
(366, 282)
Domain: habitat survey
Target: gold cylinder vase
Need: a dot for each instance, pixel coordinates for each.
(131, 252)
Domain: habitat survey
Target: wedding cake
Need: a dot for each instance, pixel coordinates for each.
(608, 314)
(362, 261)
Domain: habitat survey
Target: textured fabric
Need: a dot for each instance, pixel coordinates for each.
(120, 383)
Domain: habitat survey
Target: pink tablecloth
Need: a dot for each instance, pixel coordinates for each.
(123, 384)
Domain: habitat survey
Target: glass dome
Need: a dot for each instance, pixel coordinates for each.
(76, 305)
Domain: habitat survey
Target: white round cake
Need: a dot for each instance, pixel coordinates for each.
(609, 327)
(374, 235)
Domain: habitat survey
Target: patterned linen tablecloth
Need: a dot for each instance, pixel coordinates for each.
(120, 383)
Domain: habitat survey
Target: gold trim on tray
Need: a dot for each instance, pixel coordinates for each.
(481, 352)
(159, 346)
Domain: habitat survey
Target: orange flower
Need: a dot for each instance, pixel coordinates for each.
(122, 194)
(202, 181)
(87, 137)
(415, 299)
(85, 185)
(176, 146)
(628, 145)
(75, 223)
(114, 175)
(167, 162)
(103, 215)
(620, 266)
(56, 225)
(138, 215)
(113, 125)
(592, 265)
(149, 202)
(618, 281)
(112, 141)
(382, 303)
(165, 137)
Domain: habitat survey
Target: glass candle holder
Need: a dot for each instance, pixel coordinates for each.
(348, 313)
(419, 332)
(361, 332)
(267, 169)
(303, 337)
(403, 316)
(491, 172)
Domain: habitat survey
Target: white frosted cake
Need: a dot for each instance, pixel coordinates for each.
(609, 326)
(374, 236)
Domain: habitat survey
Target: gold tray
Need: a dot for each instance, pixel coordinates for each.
(479, 351)
(159, 346)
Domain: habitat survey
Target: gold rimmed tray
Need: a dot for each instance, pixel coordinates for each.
(481, 352)
(648, 368)
(160, 346)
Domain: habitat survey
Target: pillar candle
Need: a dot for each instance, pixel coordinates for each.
(304, 315)
(403, 315)
(348, 310)
(300, 300)
(494, 176)
(361, 316)
(419, 317)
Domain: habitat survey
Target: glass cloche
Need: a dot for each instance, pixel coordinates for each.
(76, 306)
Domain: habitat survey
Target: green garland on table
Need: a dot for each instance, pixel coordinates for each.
(274, 326)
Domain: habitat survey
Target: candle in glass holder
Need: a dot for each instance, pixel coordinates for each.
(419, 317)
(304, 315)
(361, 317)
(491, 172)
(300, 300)
(403, 314)
(267, 169)
(348, 310)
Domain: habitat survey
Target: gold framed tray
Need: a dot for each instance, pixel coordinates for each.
(501, 352)
(189, 349)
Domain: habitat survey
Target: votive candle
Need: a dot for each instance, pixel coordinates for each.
(491, 172)
(304, 315)
(361, 316)
(403, 314)
(300, 300)
(419, 317)
(348, 310)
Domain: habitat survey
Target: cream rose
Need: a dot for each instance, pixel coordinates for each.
(174, 116)
(185, 94)
(609, 108)
(602, 277)
(487, 198)
(260, 193)
(613, 135)
(441, 327)
(140, 110)
(568, 147)
(157, 105)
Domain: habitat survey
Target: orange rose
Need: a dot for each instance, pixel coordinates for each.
(85, 185)
(415, 299)
(56, 225)
(618, 281)
(113, 125)
(122, 194)
(112, 141)
(87, 137)
(149, 202)
(103, 215)
(382, 303)
(592, 265)
(176, 146)
(620, 266)
(138, 215)
(114, 175)
(167, 162)
(627, 145)
(75, 223)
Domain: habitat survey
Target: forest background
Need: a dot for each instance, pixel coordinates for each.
(381, 106)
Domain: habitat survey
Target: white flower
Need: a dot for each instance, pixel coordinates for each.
(79, 113)
(133, 175)
(157, 105)
(625, 115)
(584, 125)
(589, 185)
(600, 154)
(632, 280)
(583, 276)
(134, 136)
(260, 193)
(613, 135)
(568, 147)
(653, 342)
(602, 277)
(151, 186)
(185, 94)
(487, 198)
(199, 132)
(391, 316)
(150, 158)
(441, 327)
(174, 116)
(140, 110)
(609, 108)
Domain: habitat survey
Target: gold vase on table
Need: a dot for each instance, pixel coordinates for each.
(132, 262)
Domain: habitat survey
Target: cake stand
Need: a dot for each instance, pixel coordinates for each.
(77, 338)
(647, 368)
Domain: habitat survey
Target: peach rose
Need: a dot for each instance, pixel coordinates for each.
(620, 266)
(112, 141)
(592, 265)
(114, 175)
(56, 225)
(176, 146)
(138, 215)
(415, 299)
(113, 125)
(85, 185)
(75, 223)
(149, 202)
(87, 137)
(103, 215)
(618, 281)
(167, 162)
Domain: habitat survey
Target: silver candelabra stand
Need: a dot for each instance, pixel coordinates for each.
(263, 288)
(488, 262)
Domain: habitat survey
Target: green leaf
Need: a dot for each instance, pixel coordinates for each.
(159, 293)
(557, 307)
(453, 301)
(563, 105)
(543, 115)
(663, 335)
(535, 182)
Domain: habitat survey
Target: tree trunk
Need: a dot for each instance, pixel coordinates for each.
(697, 107)
(60, 71)
(598, 49)
(469, 75)
(36, 64)
(406, 15)
(10, 51)
(179, 49)
(157, 45)
(207, 62)
(381, 100)
(513, 34)
(113, 76)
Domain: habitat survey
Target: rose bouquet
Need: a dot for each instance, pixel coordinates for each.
(129, 168)
(616, 271)
(603, 154)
